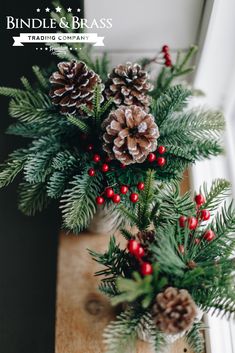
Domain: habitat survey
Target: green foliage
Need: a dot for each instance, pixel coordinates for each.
(39, 160)
(205, 269)
(131, 289)
(219, 191)
(194, 338)
(12, 167)
(114, 259)
(120, 335)
(180, 68)
(197, 132)
(78, 202)
(32, 198)
(174, 99)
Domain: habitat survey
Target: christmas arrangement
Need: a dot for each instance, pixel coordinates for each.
(94, 133)
(177, 261)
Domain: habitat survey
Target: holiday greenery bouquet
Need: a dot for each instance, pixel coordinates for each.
(177, 259)
(93, 134)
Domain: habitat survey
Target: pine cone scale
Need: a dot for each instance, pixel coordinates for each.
(128, 85)
(174, 310)
(130, 134)
(73, 86)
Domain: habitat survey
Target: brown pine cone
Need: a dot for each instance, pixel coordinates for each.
(130, 134)
(72, 86)
(146, 236)
(128, 85)
(174, 310)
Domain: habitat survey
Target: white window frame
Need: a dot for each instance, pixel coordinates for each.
(216, 77)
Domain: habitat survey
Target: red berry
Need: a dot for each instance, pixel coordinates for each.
(96, 158)
(209, 235)
(181, 248)
(140, 252)
(182, 221)
(105, 168)
(123, 166)
(165, 48)
(140, 185)
(161, 149)
(124, 189)
(151, 157)
(167, 56)
(205, 215)
(133, 246)
(91, 172)
(116, 198)
(168, 63)
(192, 223)
(134, 197)
(109, 193)
(199, 199)
(161, 161)
(146, 269)
(90, 147)
(100, 200)
(197, 241)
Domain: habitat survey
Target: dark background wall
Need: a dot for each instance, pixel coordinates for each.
(28, 245)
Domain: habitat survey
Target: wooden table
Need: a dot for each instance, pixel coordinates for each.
(83, 312)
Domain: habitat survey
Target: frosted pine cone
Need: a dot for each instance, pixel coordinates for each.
(72, 86)
(130, 134)
(174, 310)
(128, 85)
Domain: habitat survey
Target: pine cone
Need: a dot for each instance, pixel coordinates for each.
(174, 310)
(128, 85)
(72, 86)
(130, 134)
(146, 236)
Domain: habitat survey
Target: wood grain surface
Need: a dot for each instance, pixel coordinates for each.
(82, 312)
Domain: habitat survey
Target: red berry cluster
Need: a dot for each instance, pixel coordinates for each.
(194, 221)
(116, 198)
(109, 193)
(167, 56)
(135, 249)
(161, 161)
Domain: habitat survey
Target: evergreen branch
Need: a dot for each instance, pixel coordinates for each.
(42, 80)
(219, 190)
(174, 99)
(31, 107)
(120, 335)
(57, 184)
(194, 338)
(146, 198)
(65, 160)
(11, 92)
(12, 167)
(131, 289)
(39, 162)
(198, 124)
(32, 198)
(79, 201)
(79, 123)
(114, 260)
(147, 329)
(26, 84)
(108, 288)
